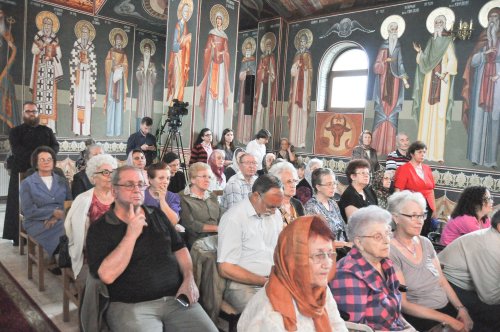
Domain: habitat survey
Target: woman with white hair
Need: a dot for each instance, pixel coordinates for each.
(88, 207)
(366, 286)
(200, 210)
(429, 300)
(304, 187)
(291, 208)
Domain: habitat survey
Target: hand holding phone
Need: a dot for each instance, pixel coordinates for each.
(183, 300)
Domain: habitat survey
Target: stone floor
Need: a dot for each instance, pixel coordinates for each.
(50, 300)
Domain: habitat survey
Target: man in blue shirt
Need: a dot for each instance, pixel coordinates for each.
(143, 140)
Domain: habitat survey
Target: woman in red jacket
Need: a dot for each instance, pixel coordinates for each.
(416, 176)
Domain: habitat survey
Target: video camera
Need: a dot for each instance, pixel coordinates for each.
(175, 112)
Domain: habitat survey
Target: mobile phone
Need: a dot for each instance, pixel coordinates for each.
(183, 300)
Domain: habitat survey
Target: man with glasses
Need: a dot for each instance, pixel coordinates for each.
(239, 186)
(23, 139)
(137, 253)
(248, 233)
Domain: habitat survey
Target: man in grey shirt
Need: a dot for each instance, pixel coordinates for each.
(471, 263)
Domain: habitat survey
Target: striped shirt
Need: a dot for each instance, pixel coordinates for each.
(396, 159)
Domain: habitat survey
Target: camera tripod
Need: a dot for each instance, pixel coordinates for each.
(173, 143)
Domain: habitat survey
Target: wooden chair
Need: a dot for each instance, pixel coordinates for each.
(71, 292)
(36, 257)
(23, 236)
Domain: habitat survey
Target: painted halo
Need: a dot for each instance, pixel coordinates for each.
(268, 36)
(252, 42)
(183, 3)
(46, 14)
(122, 33)
(389, 19)
(217, 10)
(446, 12)
(151, 43)
(79, 26)
(485, 10)
(299, 34)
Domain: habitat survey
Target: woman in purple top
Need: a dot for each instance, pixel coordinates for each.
(157, 194)
(470, 214)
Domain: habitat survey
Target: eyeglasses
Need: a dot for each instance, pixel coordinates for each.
(379, 237)
(329, 184)
(363, 173)
(43, 160)
(208, 134)
(32, 112)
(387, 178)
(415, 216)
(250, 163)
(105, 172)
(323, 256)
(488, 199)
(292, 182)
(205, 177)
(131, 186)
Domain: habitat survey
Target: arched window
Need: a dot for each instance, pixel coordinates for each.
(347, 82)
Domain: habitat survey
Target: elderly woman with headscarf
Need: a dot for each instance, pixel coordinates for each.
(366, 286)
(234, 167)
(365, 151)
(297, 297)
(304, 187)
(429, 300)
(88, 207)
(216, 163)
(382, 186)
(137, 158)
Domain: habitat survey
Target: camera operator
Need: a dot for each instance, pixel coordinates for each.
(143, 140)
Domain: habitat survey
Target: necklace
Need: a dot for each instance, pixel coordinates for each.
(413, 252)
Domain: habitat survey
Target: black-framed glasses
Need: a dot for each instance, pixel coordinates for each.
(415, 216)
(105, 172)
(322, 256)
(379, 237)
(131, 186)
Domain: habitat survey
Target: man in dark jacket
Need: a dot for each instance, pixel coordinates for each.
(23, 139)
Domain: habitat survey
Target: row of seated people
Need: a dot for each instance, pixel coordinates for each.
(264, 201)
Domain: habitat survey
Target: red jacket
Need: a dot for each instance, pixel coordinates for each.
(406, 178)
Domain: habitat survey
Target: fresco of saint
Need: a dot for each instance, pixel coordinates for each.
(146, 79)
(299, 102)
(246, 77)
(46, 70)
(116, 71)
(9, 111)
(83, 73)
(390, 81)
(215, 88)
(179, 63)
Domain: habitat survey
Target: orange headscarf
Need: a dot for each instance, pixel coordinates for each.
(290, 278)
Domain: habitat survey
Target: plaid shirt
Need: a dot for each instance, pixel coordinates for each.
(361, 291)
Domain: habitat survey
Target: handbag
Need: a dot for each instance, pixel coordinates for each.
(64, 258)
